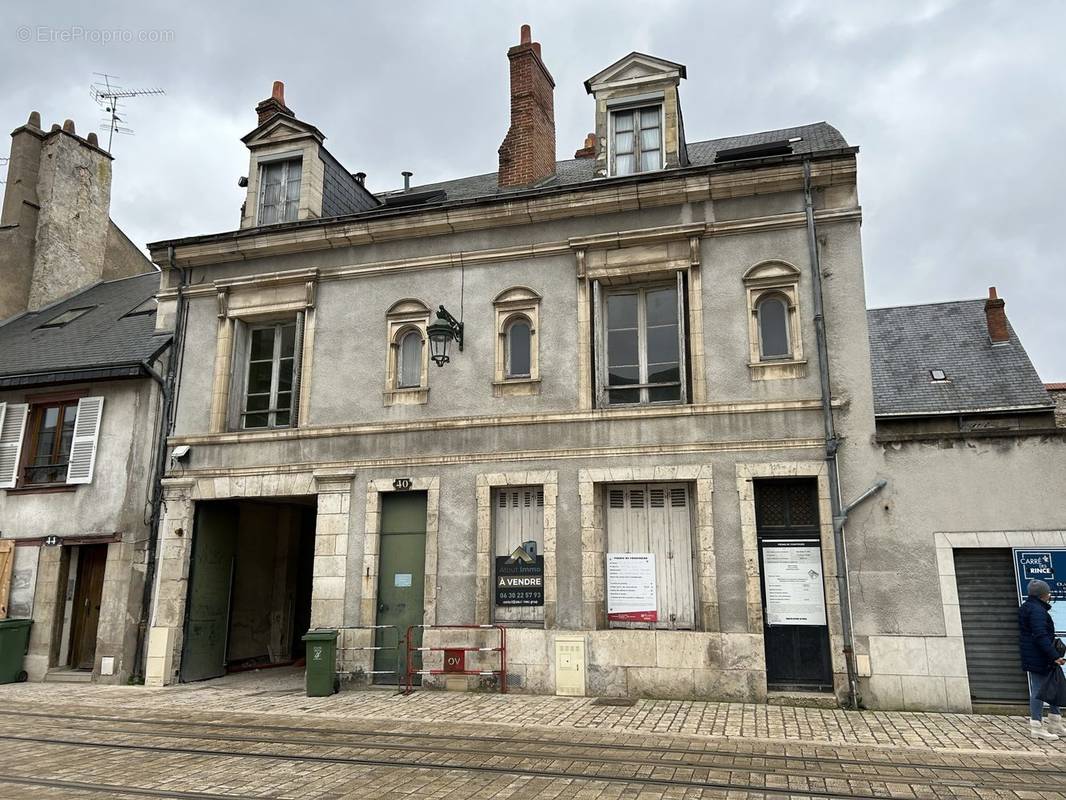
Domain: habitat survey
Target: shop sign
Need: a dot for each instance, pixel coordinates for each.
(792, 579)
(520, 577)
(1047, 564)
(631, 587)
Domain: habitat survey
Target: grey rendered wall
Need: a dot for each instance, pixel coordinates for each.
(113, 503)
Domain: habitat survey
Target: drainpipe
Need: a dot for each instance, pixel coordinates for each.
(832, 444)
(167, 386)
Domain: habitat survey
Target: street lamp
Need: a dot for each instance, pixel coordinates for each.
(440, 333)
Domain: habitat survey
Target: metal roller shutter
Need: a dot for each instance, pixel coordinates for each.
(988, 602)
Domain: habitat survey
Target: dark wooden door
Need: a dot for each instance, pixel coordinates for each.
(207, 610)
(793, 588)
(88, 593)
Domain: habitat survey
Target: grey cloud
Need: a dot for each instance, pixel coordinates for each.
(958, 109)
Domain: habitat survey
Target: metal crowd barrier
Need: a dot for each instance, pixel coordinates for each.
(342, 647)
(450, 653)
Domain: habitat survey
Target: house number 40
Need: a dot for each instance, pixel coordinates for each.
(401, 484)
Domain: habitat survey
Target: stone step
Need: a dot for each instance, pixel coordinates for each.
(803, 699)
(68, 676)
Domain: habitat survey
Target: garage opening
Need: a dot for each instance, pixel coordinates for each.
(250, 576)
(988, 605)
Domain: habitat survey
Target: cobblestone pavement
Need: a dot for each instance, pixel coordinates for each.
(258, 736)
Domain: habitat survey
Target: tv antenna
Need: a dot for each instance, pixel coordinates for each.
(3, 163)
(107, 95)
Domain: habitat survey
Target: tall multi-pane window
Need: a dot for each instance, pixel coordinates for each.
(271, 359)
(51, 436)
(772, 312)
(644, 351)
(409, 372)
(279, 191)
(636, 140)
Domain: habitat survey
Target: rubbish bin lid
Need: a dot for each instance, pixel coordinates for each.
(15, 623)
(320, 635)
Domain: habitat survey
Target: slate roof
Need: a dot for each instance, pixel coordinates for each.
(102, 338)
(815, 138)
(906, 342)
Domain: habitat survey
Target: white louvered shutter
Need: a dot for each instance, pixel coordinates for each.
(86, 435)
(12, 428)
(656, 518)
(518, 518)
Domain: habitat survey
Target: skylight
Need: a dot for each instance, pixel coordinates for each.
(147, 307)
(67, 316)
(938, 375)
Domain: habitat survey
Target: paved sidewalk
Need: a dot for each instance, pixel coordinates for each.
(280, 692)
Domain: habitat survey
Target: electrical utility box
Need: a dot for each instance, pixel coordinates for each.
(570, 666)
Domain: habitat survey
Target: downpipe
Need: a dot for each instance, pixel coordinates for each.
(167, 384)
(832, 443)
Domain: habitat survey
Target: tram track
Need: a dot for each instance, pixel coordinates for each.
(666, 773)
(1047, 766)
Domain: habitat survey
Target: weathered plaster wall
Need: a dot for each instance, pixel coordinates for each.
(113, 503)
(902, 595)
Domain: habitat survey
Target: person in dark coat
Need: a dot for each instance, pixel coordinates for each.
(1037, 643)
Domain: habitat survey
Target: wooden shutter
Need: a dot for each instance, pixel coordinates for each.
(238, 376)
(655, 518)
(7, 562)
(599, 349)
(297, 369)
(12, 428)
(518, 517)
(86, 435)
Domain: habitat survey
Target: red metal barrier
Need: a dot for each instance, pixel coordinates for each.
(449, 653)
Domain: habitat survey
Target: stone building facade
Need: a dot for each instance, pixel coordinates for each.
(79, 408)
(639, 376)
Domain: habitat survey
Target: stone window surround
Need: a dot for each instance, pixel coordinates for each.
(594, 537)
(518, 302)
(633, 256)
(774, 277)
(404, 316)
(485, 483)
(250, 302)
(746, 473)
(372, 544)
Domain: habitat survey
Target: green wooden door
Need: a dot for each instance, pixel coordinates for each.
(214, 549)
(402, 574)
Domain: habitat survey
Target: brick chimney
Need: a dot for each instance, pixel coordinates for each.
(997, 318)
(275, 104)
(589, 150)
(527, 154)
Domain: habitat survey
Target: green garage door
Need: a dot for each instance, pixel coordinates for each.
(988, 602)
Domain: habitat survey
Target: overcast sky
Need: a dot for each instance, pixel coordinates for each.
(959, 108)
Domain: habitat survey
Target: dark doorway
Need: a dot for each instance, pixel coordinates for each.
(85, 613)
(401, 576)
(249, 598)
(793, 585)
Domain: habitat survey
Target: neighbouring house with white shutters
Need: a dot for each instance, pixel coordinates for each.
(80, 403)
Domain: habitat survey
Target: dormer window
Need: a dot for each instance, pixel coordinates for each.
(636, 140)
(279, 192)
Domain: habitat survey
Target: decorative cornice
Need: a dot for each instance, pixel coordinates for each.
(451, 459)
(464, 423)
(611, 196)
(577, 245)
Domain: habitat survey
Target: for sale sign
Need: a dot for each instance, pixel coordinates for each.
(520, 578)
(631, 587)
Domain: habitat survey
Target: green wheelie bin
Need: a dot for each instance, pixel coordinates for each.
(321, 675)
(14, 642)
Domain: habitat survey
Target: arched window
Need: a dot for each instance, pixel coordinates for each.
(409, 356)
(772, 311)
(518, 348)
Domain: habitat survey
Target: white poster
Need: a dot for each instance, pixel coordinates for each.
(792, 577)
(631, 587)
